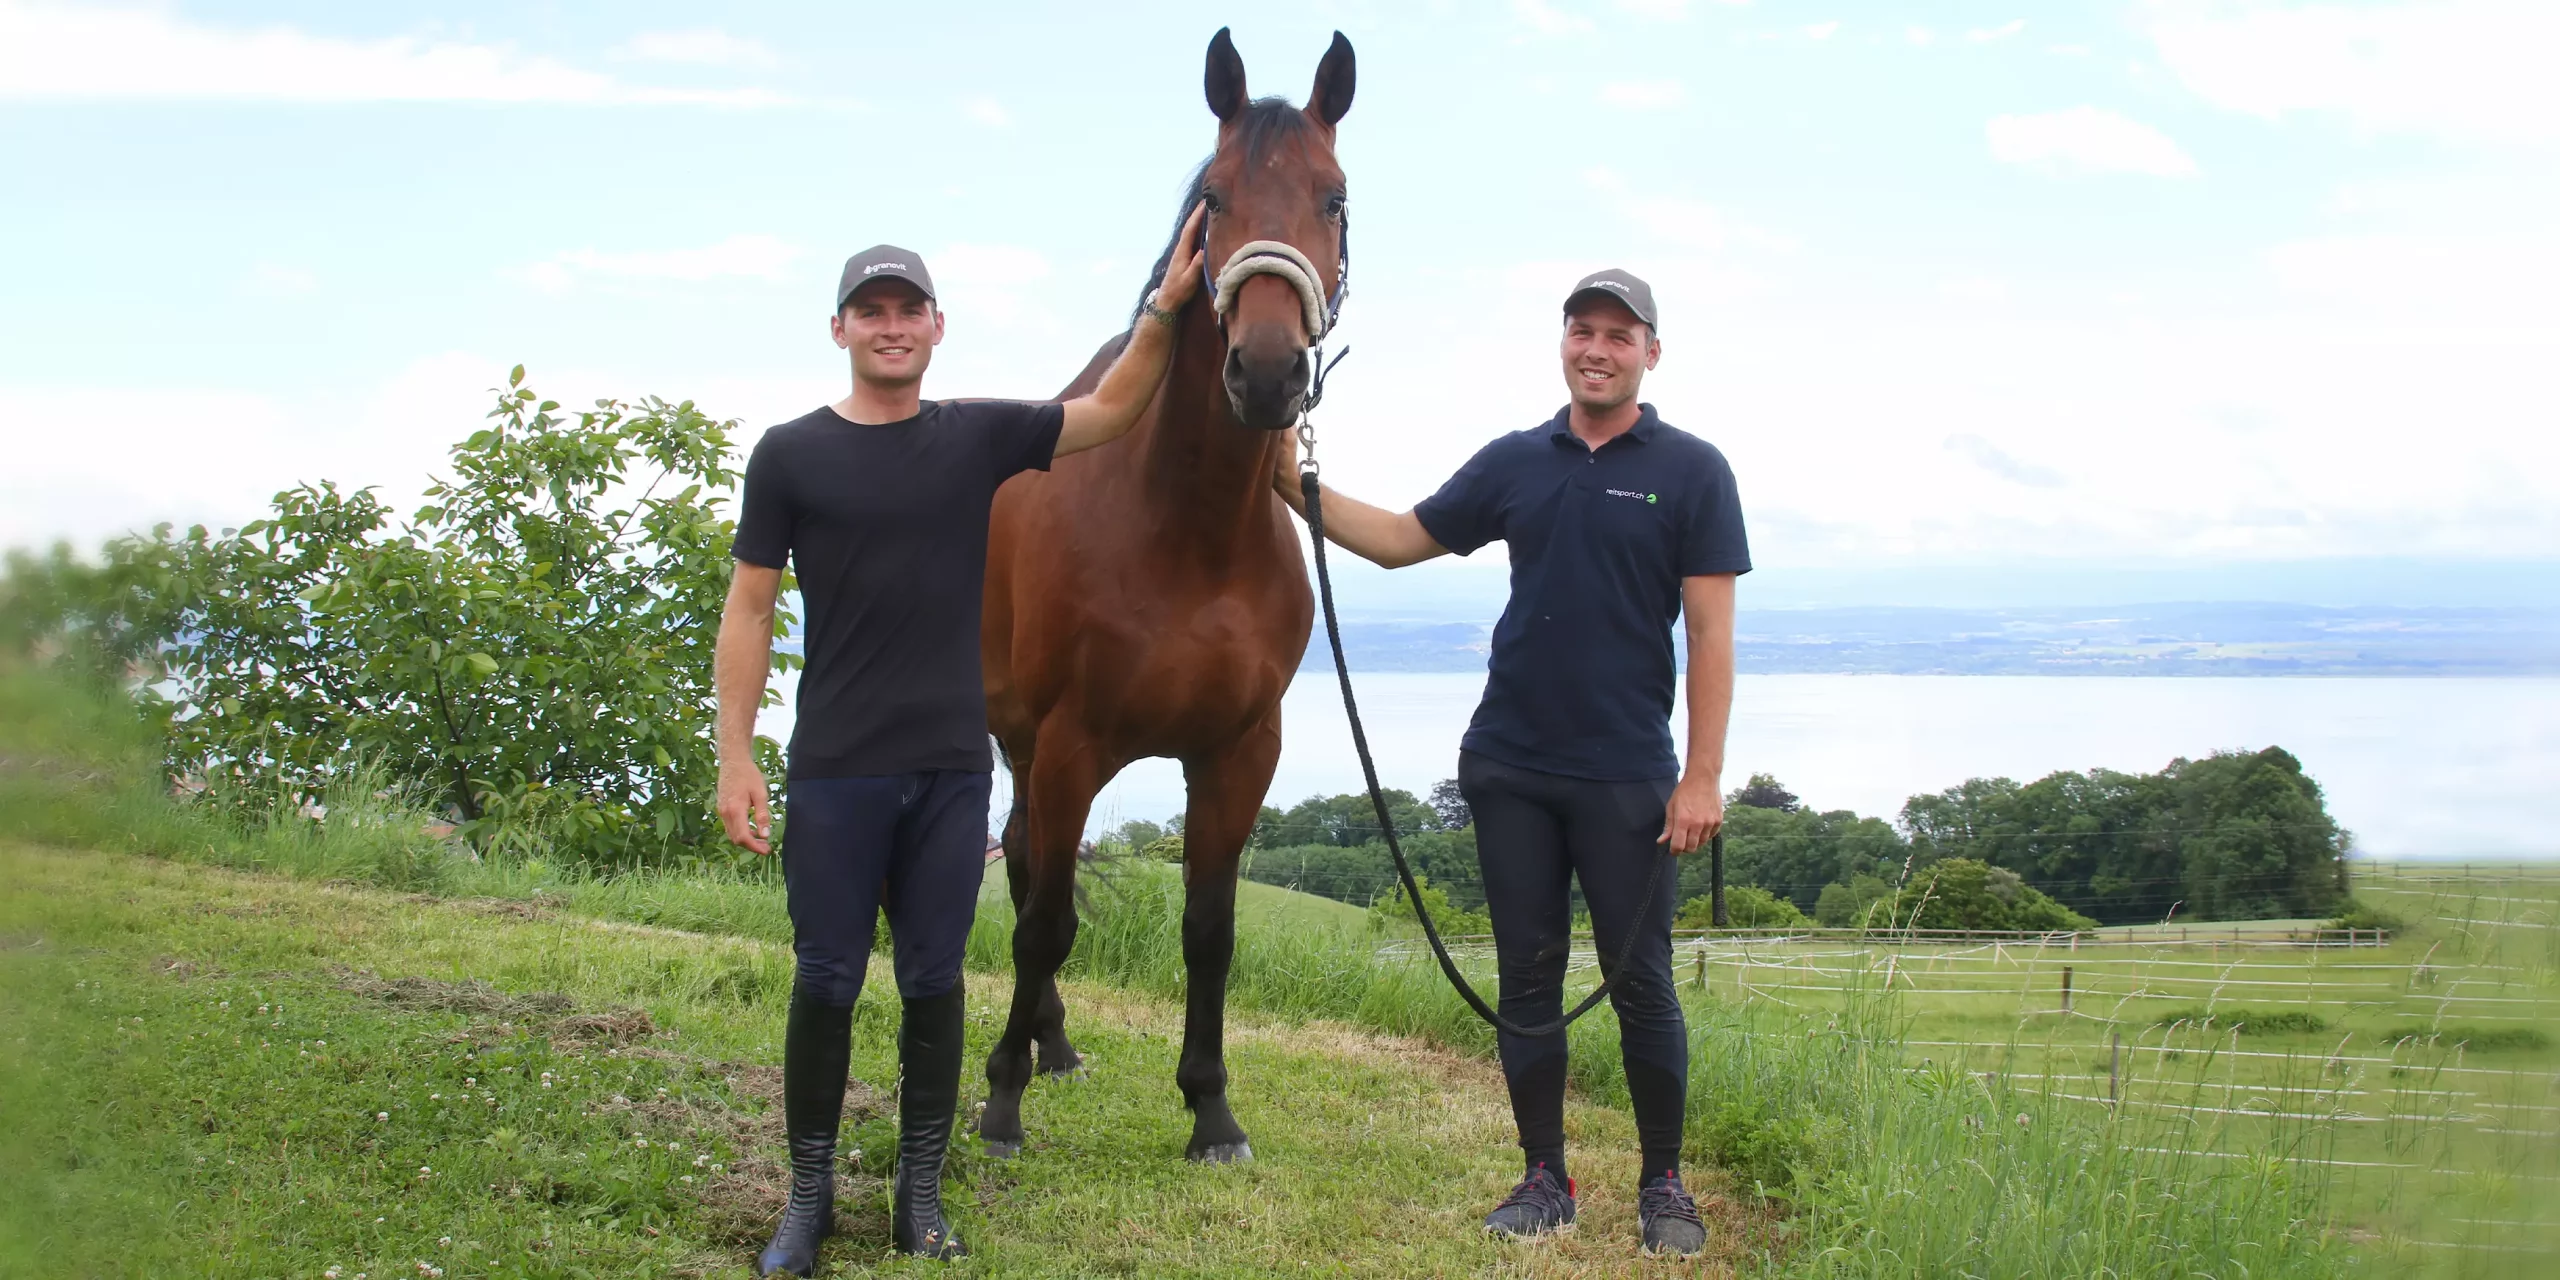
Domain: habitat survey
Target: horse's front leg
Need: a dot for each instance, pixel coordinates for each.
(1225, 798)
(1048, 1027)
(1060, 785)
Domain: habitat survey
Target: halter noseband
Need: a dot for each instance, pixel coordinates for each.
(1276, 258)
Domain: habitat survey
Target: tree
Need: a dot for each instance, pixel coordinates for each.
(1763, 792)
(1393, 909)
(533, 645)
(1745, 907)
(1449, 805)
(1794, 853)
(1849, 906)
(1347, 820)
(1961, 893)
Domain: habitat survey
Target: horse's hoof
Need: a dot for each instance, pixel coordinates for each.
(1063, 1063)
(1003, 1148)
(1221, 1153)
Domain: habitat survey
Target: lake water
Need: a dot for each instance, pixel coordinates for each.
(2431, 767)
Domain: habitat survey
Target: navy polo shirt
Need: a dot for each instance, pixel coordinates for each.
(1583, 674)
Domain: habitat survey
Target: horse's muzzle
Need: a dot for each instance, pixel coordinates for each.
(1265, 388)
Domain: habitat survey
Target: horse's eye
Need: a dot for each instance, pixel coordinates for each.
(1215, 205)
(1333, 207)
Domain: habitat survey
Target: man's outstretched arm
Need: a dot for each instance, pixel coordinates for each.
(1129, 385)
(1388, 539)
(738, 668)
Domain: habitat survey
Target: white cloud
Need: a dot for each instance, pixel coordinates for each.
(1669, 10)
(987, 111)
(55, 52)
(2087, 139)
(2477, 70)
(759, 256)
(1644, 95)
(2000, 462)
(1920, 36)
(1548, 20)
(699, 46)
(1985, 35)
(1822, 30)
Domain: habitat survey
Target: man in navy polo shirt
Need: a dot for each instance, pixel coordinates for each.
(1619, 524)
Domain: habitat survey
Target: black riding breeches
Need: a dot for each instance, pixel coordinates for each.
(912, 843)
(1535, 833)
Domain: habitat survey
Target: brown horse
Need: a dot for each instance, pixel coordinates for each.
(1149, 598)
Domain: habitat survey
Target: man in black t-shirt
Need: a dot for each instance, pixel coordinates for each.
(1619, 524)
(879, 504)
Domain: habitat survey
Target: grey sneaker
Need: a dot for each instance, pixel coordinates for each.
(1669, 1217)
(1540, 1204)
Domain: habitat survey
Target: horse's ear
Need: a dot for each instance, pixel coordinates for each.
(1330, 100)
(1225, 78)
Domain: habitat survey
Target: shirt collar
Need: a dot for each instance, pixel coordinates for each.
(1560, 427)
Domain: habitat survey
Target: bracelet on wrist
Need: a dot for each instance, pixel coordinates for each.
(1158, 313)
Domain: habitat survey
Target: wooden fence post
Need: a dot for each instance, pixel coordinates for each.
(2066, 988)
(2115, 1067)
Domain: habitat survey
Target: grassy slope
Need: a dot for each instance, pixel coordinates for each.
(218, 1140)
(1899, 1168)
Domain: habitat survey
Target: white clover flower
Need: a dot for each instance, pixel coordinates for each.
(330, 1274)
(444, 1242)
(381, 1115)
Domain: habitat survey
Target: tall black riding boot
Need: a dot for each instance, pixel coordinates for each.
(928, 1094)
(817, 1046)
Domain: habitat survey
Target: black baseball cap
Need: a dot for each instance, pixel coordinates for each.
(1630, 292)
(883, 260)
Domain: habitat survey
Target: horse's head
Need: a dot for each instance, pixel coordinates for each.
(1274, 179)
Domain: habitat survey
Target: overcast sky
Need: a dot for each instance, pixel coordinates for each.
(2179, 282)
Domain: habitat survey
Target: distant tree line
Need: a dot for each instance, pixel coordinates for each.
(2230, 836)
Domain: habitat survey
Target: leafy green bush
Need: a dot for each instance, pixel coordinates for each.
(2250, 1022)
(1961, 893)
(1395, 910)
(2355, 913)
(1852, 905)
(532, 647)
(1746, 906)
(1775, 1153)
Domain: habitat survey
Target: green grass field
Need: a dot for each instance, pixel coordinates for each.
(269, 1046)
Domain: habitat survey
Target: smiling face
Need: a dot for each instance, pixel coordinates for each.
(1606, 353)
(891, 329)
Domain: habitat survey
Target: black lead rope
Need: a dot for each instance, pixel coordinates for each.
(1404, 870)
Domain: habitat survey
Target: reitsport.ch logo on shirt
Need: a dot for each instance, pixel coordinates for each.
(1630, 493)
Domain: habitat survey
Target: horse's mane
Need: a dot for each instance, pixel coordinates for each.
(1265, 121)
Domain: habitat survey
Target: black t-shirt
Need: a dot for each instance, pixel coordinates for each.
(1582, 678)
(886, 527)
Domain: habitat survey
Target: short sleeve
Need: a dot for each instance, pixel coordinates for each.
(764, 508)
(1465, 514)
(1712, 538)
(1020, 435)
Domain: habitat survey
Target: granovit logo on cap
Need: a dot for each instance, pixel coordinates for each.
(886, 266)
(1618, 285)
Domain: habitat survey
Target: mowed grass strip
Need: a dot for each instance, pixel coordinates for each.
(211, 1073)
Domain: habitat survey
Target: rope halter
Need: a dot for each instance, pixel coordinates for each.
(1274, 258)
